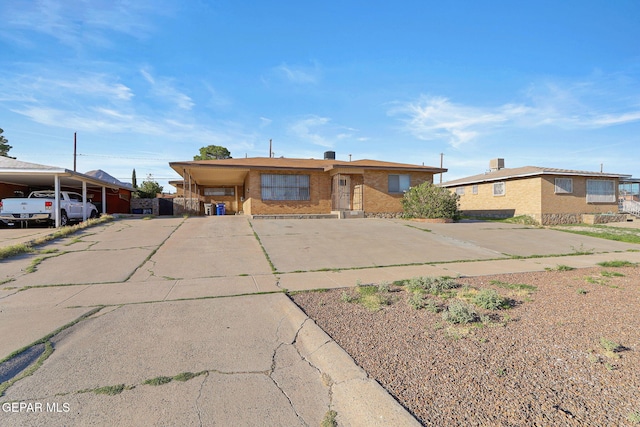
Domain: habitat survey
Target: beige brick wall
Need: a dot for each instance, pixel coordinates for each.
(522, 197)
(535, 197)
(575, 202)
(377, 198)
(320, 189)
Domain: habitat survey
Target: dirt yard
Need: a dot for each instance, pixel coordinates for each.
(564, 351)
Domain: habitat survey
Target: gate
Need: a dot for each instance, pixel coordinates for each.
(165, 206)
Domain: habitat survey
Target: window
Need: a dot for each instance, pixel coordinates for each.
(499, 189)
(564, 185)
(460, 191)
(220, 191)
(399, 183)
(285, 187)
(601, 191)
(474, 189)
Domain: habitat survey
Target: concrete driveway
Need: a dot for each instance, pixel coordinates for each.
(174, 321)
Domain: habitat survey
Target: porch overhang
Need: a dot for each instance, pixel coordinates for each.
(211, 175)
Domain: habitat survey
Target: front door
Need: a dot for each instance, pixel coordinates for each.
(344, 192)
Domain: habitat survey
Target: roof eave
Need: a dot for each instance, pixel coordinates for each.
(531, 174)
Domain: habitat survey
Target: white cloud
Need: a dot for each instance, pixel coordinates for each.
(432, 118)
(569, 106)
(307, 130)
(164, 89)
(299, 74)
(77, 23)
(264, 122)
(322, 131)
(616, 119)
(32, 87)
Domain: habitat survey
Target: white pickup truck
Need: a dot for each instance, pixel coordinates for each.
(39, 207)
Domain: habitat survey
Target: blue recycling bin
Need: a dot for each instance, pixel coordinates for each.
(220, 209)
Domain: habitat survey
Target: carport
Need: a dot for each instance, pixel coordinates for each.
(17, 174)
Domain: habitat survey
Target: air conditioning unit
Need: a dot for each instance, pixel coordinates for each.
(496, 164)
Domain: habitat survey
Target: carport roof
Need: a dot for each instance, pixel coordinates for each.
(17, 172)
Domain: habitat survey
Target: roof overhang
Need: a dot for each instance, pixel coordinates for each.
(211, 175)
(218, 173)
(474, 180)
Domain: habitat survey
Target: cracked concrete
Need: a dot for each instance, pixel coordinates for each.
(198, 295)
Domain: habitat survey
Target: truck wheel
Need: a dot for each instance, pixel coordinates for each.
(64, 219)
(93, 214)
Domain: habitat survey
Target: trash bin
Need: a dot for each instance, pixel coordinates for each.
(208, 208)
(221, 210)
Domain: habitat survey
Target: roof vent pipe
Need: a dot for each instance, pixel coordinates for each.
(329, 155)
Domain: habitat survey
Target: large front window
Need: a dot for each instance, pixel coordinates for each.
(601, 191)
(285, 187)
(399, 183)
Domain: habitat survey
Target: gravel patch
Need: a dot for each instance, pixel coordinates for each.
(541, 362)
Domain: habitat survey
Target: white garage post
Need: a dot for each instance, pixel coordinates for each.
(56, 190)
(84, 200)
(104, 200)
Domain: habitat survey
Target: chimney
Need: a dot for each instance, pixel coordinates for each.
(496, 164)
(329, 155)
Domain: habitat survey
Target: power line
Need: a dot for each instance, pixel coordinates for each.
(124, 157)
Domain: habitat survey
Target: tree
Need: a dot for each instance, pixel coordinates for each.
(134, 180)
(211, 152)
(430, 201)
(4, 146)
(149, 188)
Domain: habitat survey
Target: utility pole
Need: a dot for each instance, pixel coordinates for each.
(441, 159)
(270, 148)
(75, 150)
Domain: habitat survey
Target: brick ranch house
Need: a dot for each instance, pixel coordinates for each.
(550, 196)
(268, 186)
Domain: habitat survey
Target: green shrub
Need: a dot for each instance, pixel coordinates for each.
(384, 287)
(416, 300)
(431, 305)
(432, 285)
(346, 297)
(490, 300)
(459, 312)
(430, 201)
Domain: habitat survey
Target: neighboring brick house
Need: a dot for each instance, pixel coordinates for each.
(550, 196)
(283, 186)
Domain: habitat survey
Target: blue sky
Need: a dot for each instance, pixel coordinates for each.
(539, 83)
